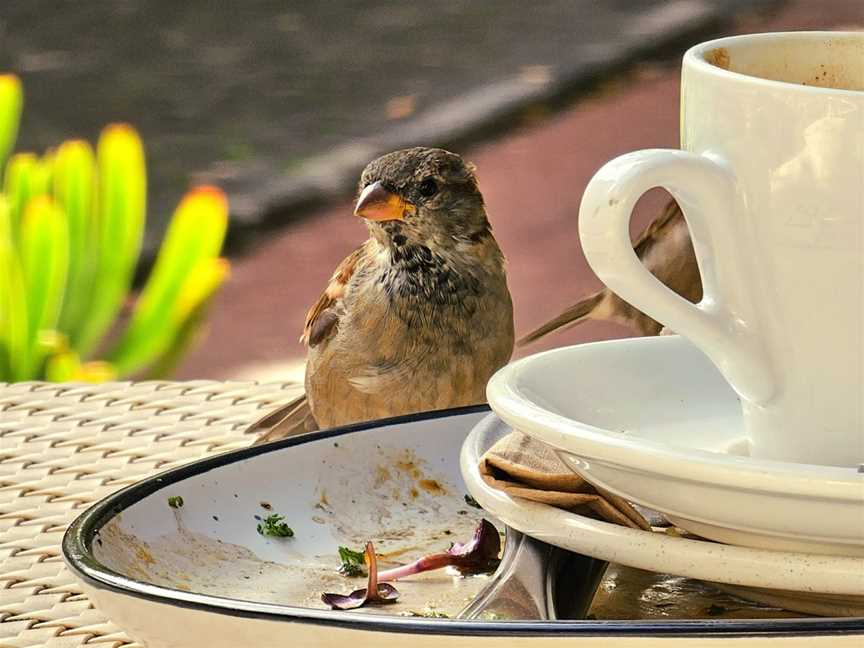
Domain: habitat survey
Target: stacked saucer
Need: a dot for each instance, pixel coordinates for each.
(652, 420)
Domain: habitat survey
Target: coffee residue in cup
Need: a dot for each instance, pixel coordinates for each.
(718, 57)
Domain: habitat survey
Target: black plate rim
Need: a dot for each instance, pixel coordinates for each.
(81, 534)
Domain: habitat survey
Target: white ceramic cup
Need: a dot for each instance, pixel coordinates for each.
(771, 183)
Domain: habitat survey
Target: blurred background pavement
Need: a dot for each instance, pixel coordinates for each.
(283, 103)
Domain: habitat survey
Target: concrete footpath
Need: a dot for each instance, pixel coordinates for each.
(532, 178)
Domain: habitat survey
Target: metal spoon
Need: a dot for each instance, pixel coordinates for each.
(537, 581)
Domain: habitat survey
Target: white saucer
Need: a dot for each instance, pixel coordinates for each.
(806, 582)
(652, 420)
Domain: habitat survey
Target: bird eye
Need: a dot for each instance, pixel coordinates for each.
(428, 187)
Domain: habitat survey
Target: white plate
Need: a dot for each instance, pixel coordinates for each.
(659, 552)
(652, 420)
(175, 578)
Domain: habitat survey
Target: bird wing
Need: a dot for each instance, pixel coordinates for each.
(322, 318)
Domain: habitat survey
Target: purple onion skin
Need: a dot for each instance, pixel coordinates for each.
(478, 555)
(374, 592)
(345, 602)
(358, 598)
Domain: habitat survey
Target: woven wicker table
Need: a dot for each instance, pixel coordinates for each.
(62, 447)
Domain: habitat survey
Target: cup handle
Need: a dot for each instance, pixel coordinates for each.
(705, 189)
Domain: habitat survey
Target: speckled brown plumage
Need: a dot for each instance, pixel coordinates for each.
(419, 316)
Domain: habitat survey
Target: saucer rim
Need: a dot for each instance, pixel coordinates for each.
(519, 410)
(692, 560)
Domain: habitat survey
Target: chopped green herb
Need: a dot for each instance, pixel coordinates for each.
(351, 570)
(352, 562)
(427, 613)
(175, 501)
(274, 525)
(470, 501)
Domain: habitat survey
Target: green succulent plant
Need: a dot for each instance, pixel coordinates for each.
(71, 227)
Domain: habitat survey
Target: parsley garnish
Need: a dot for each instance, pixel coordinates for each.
(427, 613)
(352, 562)
(175, 501)
(274, 525)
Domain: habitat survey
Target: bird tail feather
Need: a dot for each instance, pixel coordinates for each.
(287, 420)
(570, 317)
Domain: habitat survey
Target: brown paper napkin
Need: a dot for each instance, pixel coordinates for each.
(524, 467)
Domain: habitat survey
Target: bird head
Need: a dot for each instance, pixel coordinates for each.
(421, 196)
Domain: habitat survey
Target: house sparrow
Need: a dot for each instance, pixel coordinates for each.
(667, 252)
(419, 316)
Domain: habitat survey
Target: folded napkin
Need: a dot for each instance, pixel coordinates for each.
(524, 467)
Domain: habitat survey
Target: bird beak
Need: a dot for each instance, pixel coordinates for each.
(377, 204)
